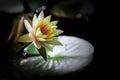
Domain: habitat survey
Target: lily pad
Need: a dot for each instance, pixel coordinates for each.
(73, 8)
(31, 50)
(75, 54)
(11, 6)
(17, 6)
(36, 4)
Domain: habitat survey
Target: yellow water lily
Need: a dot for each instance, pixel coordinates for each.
(42, 32)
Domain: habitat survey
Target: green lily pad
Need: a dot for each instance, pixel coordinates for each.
(73, 8)
(31, 49)
(17, 6)
(11, 6)
(75, 54)
(36, 4)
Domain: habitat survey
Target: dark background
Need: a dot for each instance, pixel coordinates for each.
(90, 30)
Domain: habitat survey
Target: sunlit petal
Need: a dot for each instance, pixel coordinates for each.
(42, 36)
(34, 22)
(54, 42)
(47, 19)
(54, 27)
(38, 32)
(41, 16)
(54, 22)
(28, 27)
(41, 39)
(58, 32)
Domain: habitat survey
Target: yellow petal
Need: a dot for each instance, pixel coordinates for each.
(41, 39)
(47, 19)
(54, 42)
(58, 31)
(54, 22)
(42, 36)
(41, 16)
(38, 32)
(54, 27)
(24, 38)
(49, 39)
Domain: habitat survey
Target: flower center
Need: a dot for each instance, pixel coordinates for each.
(45, 29)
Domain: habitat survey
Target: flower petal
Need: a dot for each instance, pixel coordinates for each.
(54, 27)
(37, 44)
(41, 16)
(54, 22)
(24, 38)
(38, 32)
(41, 39)
(58, 31)
(42, 36)
(54, 42)
(34, 22)
(47, 46)
(28, 27)
(47, 19)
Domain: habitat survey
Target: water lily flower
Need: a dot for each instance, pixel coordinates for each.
(42, 32)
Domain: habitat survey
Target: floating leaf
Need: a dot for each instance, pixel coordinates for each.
(31, 49)
(11, 6)
(36, 4)
(75, 54)
(73, 9)
(17, 6)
